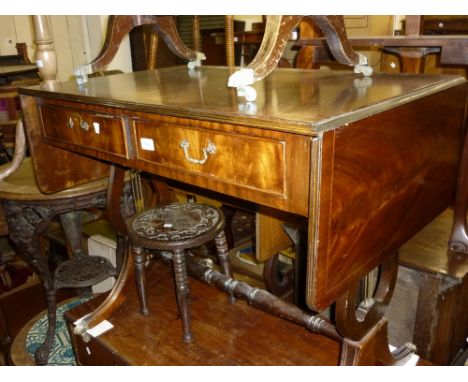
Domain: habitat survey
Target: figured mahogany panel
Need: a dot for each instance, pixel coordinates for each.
(263, 165)
(253, 164)
(98, 131)
(382, 179)
(56, 169)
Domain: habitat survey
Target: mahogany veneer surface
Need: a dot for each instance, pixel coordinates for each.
(291, 100)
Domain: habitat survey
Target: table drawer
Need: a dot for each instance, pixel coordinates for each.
(83, 128)
(247, 161)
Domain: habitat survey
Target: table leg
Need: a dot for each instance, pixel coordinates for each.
(119, 26)
(26, 223)
(277, 32)
(458, 240)
(116, 296)
(365, 328)
(334, 30)
(298, 235)
(126, 278)
(168, 31)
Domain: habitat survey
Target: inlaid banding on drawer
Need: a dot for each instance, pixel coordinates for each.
(241, 160)
(86, 129)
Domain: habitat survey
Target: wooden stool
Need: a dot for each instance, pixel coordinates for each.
(176, 227)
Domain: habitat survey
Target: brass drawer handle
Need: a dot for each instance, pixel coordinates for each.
(76, 118)
(84, 125)
(209, 149)
(70, 123)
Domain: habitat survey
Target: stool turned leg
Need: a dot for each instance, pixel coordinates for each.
(182, 289)
(140, 278)
(223, 255)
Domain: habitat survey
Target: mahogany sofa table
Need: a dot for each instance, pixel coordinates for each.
(366, 162)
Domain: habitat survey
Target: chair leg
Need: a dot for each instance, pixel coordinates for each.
(140, 278)
(223, 255)
(182, 292)
(26, 223)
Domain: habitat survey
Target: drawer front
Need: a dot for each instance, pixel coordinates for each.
(258, 163)
(92, 130)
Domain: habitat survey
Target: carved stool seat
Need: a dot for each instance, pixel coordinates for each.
(176, 227)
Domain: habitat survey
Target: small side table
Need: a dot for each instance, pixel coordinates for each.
(439, 279)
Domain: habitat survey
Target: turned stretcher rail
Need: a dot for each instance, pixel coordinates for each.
(259, 298)
(263, 300)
